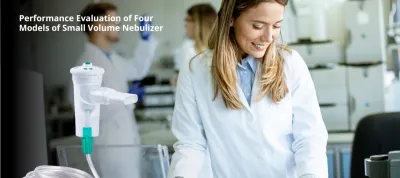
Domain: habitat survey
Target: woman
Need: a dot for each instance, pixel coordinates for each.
(271, 127)
(198, 24)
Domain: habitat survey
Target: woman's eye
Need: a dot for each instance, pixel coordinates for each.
(257, 26)
(278, 25)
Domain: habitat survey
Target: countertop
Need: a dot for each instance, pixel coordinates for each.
(165, 137)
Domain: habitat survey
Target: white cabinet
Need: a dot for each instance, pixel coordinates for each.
(320, 53)
(332, 93)
(330, 84)
(366, 89)
(366, 32)
(336, 117)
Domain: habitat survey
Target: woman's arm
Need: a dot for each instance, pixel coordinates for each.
(310, 134)
(187, 127)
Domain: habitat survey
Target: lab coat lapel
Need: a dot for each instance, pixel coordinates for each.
(255, 91)
(241, 96)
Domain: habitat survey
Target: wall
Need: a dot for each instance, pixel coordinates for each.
(25, 41)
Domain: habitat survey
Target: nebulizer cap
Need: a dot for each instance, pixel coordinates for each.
(87, 69)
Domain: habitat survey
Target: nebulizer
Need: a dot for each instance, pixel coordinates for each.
(88, 96)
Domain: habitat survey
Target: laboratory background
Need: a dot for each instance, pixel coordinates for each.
(349, 46)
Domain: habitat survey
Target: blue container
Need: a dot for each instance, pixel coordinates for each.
(331, 164)
(345, 164)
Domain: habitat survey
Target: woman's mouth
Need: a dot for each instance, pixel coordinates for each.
(259, 47)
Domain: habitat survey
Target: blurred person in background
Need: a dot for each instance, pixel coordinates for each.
(117, 122)
(198, 25)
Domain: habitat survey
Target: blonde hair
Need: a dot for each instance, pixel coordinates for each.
(204, 16)
(226, 55)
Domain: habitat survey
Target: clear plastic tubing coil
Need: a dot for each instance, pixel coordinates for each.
(62, 172)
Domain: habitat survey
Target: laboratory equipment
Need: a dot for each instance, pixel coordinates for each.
(339, 155)
(394, 21)
(311, 19)
(383, 166)
(345, 162)
(366, 39)
(331, 161)
(324, 61)
(366, 57)
(319, 9)
(57, 171)
(88, 96)
(366, 91)
(394, 32)
(323, 57)
(332, 95)
(289, 30)
(158, 102)
(375, 134)
(323, 52)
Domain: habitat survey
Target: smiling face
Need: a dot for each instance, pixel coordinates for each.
(256, 28)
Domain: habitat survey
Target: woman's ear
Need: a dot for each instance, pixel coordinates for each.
(231, 22)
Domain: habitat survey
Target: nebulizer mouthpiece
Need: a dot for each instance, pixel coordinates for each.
(107, 95)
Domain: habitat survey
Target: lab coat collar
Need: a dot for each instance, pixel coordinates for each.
(252, 62)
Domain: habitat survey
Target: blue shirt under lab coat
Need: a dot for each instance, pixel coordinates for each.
(246, 72)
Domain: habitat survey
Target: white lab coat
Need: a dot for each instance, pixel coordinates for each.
(184, 53)
(284, 140)
(117, 123)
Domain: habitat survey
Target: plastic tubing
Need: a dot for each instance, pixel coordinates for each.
(62, 172)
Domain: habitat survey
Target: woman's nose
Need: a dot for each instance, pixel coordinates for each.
(268, 36)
